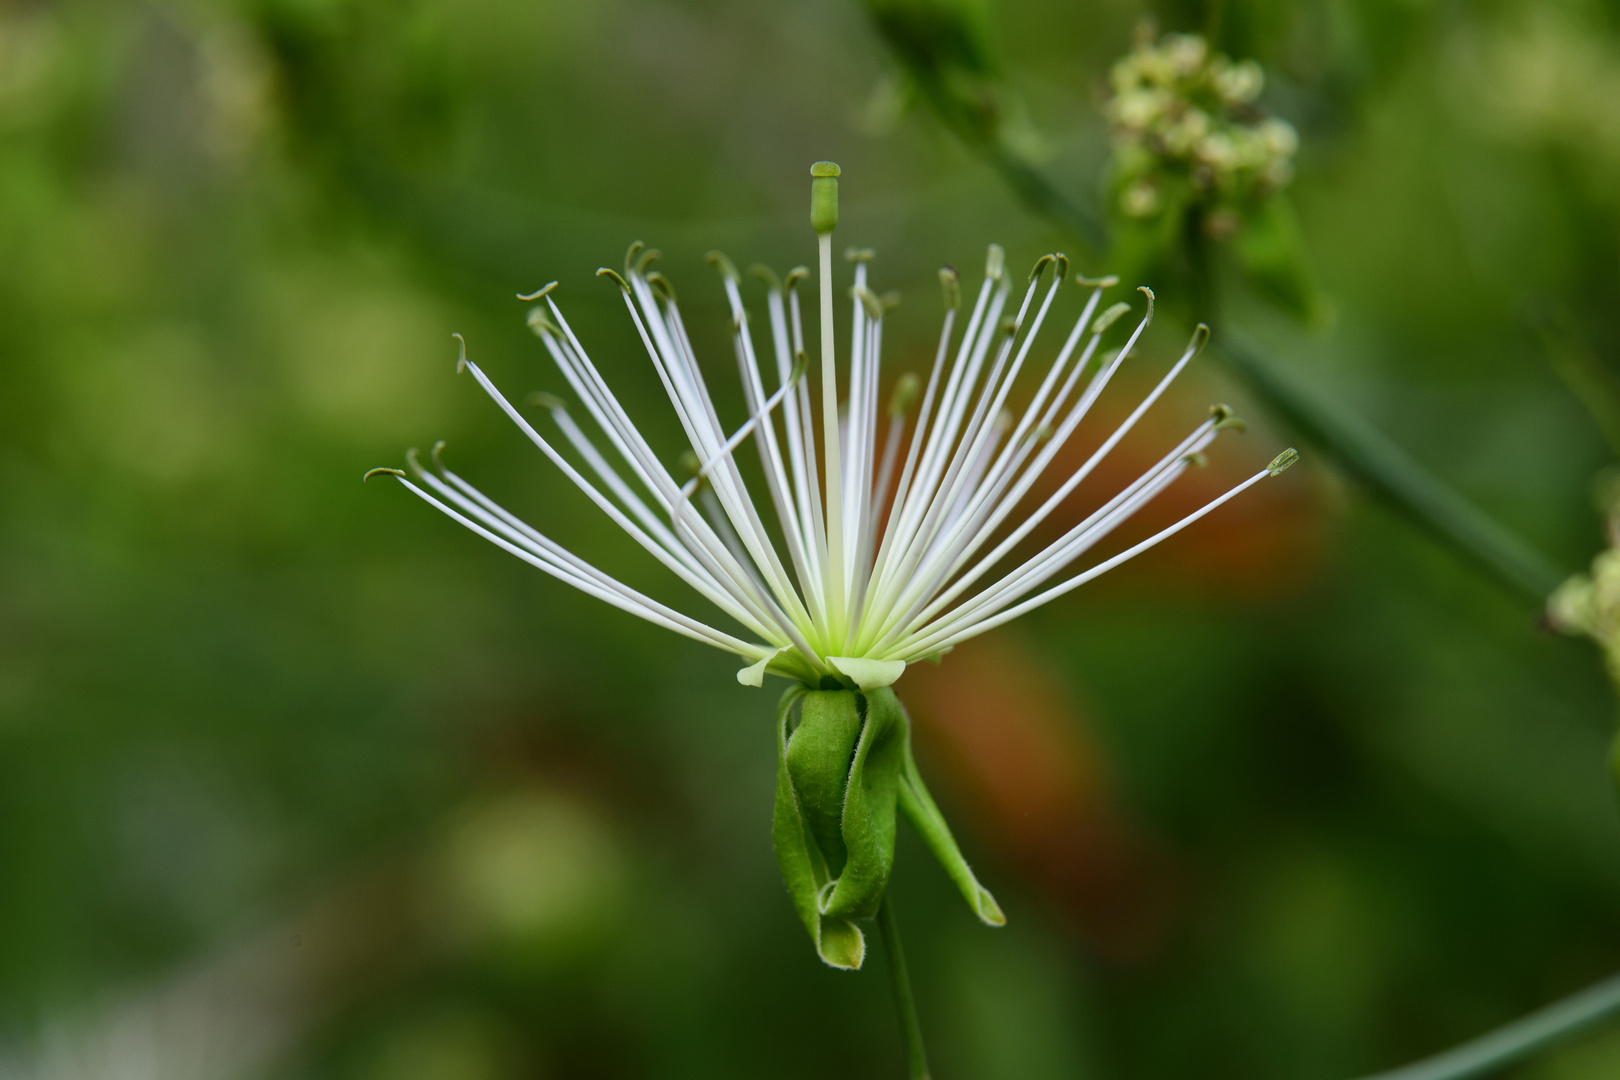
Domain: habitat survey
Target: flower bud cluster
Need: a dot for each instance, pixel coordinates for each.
(1589, 604)
(1180, 108)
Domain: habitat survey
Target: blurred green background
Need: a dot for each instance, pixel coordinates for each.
(298, 779)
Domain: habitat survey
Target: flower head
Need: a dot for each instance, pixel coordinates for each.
(886, 526)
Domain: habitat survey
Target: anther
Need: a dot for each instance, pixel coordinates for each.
(859, 255)
(718, 260)
(549, 402)
(1196, 460)
(1200, 338)
(995, 262)
(381, 471)
(1107, 282)
(538, 293)
(904, 395)
(1225, 418)
(767, 275)
(1107, 318)
(647, 259)
(608, 271)
(870, 301)
(1282, 461)
(630, 255)
(461, 358)
(660, 285)
(951, 286)
(1040, 268)
(438, 449)
(540, 321)
(795, 275)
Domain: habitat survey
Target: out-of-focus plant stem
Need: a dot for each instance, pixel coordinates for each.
(1392, 474)
(900, 983)
(1518, 1041)
(1360, 449)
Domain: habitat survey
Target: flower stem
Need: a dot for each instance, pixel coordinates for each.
(900, 983)
(1519, 1040)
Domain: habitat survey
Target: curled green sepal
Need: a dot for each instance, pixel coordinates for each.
(843, 773)
(923, 815)
(838, 941)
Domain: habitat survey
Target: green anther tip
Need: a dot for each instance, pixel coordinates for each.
(870, 301)
(1282, 461)
(549, 402)
(630, 255)
(1107, 282)
(951, 286)
(795, 275)
(1200, 338)
(380, 471)
(767, 275)
(801, 364)
(1225, 418)
(438, 448)
(824, 197)
(718, 260)
(1197, 460)
(1108, 317)
(690, 464)
(995, 262)
(904, 395)
(1040, 267)
(890, 299)
(647, 258)
(461, 355)
(608, 271)
(661, 285)
(538, 293)
(540, 321)
(859, 255)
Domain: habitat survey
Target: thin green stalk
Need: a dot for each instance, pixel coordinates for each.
(900, 983)
(1393, 475)
(1518, 1041)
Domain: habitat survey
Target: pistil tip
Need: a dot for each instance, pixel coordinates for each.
(824, 197)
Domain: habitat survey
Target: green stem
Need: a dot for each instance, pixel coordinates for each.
(900, 983)
(1393, 475)
(1518, 1041)
(1360, 449)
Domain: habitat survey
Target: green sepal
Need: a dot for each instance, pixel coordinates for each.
(842, 774)
(923, 814)
(838, 942)
(867, 826)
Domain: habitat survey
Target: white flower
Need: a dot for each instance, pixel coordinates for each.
(880, 549)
